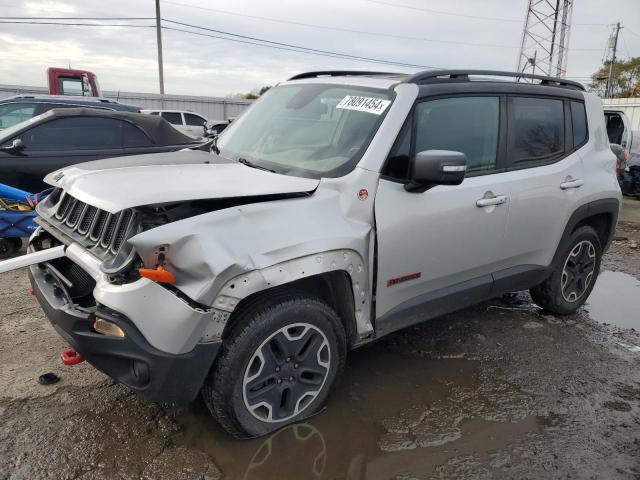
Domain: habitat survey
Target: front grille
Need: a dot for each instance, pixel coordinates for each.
(95, 229)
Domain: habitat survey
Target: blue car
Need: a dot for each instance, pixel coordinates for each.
(19, 108)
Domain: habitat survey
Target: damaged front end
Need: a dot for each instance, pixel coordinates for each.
(139, 332)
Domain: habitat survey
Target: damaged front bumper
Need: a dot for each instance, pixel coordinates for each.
(160, 356)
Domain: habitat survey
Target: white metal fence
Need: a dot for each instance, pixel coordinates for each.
(213, 108)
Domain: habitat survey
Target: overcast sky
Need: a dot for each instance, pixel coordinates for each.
(125, 58)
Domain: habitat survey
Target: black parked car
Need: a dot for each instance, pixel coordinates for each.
(58, 138)
(19, 108)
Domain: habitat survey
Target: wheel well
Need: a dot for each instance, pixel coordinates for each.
(601, 223)
(334, 288)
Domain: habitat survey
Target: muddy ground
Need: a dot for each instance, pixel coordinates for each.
(500, 390)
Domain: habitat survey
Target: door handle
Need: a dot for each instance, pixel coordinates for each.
(570, 182)
(489, 201)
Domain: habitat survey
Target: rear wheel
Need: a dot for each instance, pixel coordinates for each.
(277, 366)
(574, 275)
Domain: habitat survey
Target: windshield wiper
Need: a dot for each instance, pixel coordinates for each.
(246, 162)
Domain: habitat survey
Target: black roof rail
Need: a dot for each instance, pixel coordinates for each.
(433, 76)
(339, 73)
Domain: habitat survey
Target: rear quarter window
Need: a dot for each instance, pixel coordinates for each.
(579, 123)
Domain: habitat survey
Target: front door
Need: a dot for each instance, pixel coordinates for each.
(436, 250)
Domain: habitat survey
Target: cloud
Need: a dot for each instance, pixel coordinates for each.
(126, 58)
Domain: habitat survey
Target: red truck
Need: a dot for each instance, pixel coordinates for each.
(67, 81)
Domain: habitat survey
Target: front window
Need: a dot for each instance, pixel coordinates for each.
(308, 130)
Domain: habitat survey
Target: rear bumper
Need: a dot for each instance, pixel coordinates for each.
(156, 375)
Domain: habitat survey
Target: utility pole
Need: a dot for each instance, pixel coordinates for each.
(613, 44)
(159, 39)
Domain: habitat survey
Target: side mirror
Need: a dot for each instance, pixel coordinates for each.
(15, 146)
(436, 167)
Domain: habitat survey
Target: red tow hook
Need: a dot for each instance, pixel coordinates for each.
(71, 357)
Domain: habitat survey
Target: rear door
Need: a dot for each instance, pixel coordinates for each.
(545, 174)
(439, 247)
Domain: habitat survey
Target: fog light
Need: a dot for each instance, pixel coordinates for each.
(106, 327)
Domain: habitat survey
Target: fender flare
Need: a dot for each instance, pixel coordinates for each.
(610, 206)
(280, 274)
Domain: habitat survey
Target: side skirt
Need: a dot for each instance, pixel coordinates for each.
(456, 297)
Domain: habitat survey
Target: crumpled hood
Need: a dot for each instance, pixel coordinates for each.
(117, 183)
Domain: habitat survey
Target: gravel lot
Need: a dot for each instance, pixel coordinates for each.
(500, 390)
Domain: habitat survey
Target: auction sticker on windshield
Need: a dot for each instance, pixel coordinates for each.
(364, 104)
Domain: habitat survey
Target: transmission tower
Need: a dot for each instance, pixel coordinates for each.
(545, 38)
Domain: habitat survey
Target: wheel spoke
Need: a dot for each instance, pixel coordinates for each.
(309, 346)
(261, 390)
(312, 376)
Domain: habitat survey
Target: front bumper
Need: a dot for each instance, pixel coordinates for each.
(156, 375)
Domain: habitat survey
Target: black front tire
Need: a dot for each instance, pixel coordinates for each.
(557, 294)
(284, 353)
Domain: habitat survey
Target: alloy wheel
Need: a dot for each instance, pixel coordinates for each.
(578, 270)
(286, 372)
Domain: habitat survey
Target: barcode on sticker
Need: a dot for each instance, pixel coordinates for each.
(364, 104)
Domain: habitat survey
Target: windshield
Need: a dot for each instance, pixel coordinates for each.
(307, 130)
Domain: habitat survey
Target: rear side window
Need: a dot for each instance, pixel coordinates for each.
(134, 137)
(172, 117)
(536, 128)
(579, 123)
(194, 120)
(75, 133)
(463, 124)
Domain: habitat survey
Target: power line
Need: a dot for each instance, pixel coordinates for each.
(77, 18)
(281, 45)
(441, 12)
(473, 17)
(75, 24)
(402, 37)
(336, 29)
(624, 42)
(631, 31)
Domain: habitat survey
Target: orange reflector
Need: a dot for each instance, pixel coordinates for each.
(159, 274)
(106, 327)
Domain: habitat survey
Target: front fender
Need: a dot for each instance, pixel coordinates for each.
(267, 244)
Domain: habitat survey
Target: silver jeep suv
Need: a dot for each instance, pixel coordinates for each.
(340, 207)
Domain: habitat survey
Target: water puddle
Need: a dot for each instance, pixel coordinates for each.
(614, 300)
(347, 440)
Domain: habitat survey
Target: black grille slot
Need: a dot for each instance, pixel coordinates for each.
(87, 218)
(74, 213)
(109, 229)
(97, 230)
(123, 227)
(98, 226)
(65, 203)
